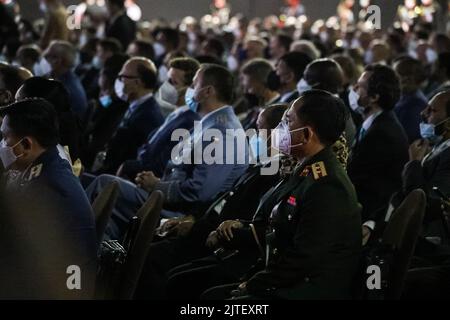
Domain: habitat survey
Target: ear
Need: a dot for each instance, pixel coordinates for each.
(308, 133)
(5, 97)
(27, 143)
(374, 99)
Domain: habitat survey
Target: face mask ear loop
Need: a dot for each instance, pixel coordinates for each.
(302, 143)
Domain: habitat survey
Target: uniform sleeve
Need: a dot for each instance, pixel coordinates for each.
(319, 229)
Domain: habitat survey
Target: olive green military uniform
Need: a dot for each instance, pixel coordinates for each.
(313, 241)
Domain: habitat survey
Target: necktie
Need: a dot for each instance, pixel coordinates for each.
(362, 134)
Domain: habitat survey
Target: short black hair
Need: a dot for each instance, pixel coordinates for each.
(383, 82)
(145, 49)
(221, 79)
(148, 76)
(444, 63)
(326, 113)
(29, 52)
(52, 91)
(284, 40)
(216, 45)
(190, 67)
(172, 36)
(113, 65)
(118, 3)
(325, 74)
(111, 44)
(296, 62)
(11, 78)
(410, 68)
(35, 118)
(275, 113)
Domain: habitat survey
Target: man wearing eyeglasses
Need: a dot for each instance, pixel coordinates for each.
(135, 84)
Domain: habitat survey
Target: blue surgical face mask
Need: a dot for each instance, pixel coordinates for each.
(428, 131)
(97, 63)
(258, 145)
(105, 101)
(190, 99)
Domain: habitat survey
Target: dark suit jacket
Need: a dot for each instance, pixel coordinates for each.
(434, 172)
(132, 133)
(61, 233)
(408, 110)
(155, 154)
(101, 127)
(123, 29)
(356, 117)
(376, 163)
(291, 98)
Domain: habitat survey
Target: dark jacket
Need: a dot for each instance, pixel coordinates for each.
(51, 228)
(132, 133)
(310, 240)
(101, 128)
(376, 163)
(155, 154)
(77, 95)
(123, 29)
(433, 172)
(408, 110)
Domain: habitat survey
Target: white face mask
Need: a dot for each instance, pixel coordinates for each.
(159, 49)
(42, 68)
(353, 99)
(303, 86)
(163, 74)
(43, 7)
(432, 56)
(119, 87)
(168, 93)
(281, 139)
(368, 57)
(7, 155)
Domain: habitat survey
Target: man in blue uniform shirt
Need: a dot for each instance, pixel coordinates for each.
(51, 225)
(188, 188)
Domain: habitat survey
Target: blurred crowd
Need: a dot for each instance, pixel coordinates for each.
(93, 95)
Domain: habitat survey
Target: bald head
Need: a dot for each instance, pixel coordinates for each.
(438, 113)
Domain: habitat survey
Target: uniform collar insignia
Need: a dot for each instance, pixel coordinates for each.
(319, 170)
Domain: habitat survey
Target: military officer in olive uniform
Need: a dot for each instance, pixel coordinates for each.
(312, 220)
(307, 227)
(48, 234)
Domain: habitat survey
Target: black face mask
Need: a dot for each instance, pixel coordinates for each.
(273, 81)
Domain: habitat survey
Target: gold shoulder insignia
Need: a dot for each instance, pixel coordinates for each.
(35, 171)
(319, 170)
(305, 171)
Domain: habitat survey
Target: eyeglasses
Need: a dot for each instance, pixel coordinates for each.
(123, 76)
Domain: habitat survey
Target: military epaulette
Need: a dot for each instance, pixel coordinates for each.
(35, 171)
(319, 170)
(306, 171)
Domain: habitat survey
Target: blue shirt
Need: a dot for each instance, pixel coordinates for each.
(77, 95)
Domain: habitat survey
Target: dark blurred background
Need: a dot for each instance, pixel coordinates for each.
(177, 9)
